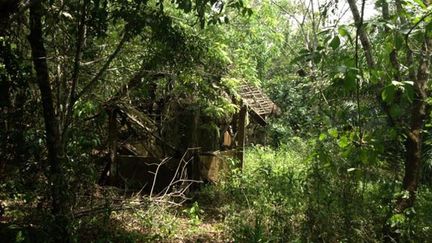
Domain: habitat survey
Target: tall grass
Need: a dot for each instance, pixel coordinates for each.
(263, 202)
(290, 194)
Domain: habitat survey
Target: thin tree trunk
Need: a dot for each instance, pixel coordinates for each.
(362, 34)
(53, 135)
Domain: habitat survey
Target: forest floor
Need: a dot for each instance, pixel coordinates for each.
(222, 212)
(184, 229)
(279, 196)
(235, 209)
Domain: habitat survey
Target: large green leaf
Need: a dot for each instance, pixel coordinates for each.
(335, 42)
(388, 94)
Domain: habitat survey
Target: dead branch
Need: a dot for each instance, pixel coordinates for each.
(164, 161)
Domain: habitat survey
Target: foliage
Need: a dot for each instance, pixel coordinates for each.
(288, 195)
(350, 156)
(263, 202)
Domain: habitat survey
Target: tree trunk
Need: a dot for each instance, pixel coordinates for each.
(417, 111)
(414, 134)
(413, 143)
(54, 141)
(362, 34)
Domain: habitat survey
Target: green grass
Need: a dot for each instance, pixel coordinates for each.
(262, 203)
(287, 195)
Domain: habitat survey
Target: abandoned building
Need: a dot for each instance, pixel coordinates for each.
(188, 147)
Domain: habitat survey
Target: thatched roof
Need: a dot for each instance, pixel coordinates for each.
(259, 103)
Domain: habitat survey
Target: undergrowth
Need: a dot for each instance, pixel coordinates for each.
(304, 192)
(298, 192)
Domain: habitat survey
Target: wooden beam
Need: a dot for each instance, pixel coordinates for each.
(257, 118)
(241, 135)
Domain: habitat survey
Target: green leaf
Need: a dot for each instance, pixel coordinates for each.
(390, 26)
(388, 94)
(250, 12)
(322, 136)
(333, 132)
(375, 76)
(343, 142)
(397, 219)
(392, 133)
(335, 42)
(409, 93)
(343, 31)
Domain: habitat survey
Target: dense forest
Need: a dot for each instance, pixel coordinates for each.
(215, 121)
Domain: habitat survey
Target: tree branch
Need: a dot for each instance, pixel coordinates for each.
(78, 54)
(76, 68)
(101, 72)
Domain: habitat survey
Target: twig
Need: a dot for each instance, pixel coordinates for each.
(415, 26)
(164, 161)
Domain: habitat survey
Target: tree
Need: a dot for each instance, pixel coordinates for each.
(64, 62)
(54, 140)
(418, 74)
